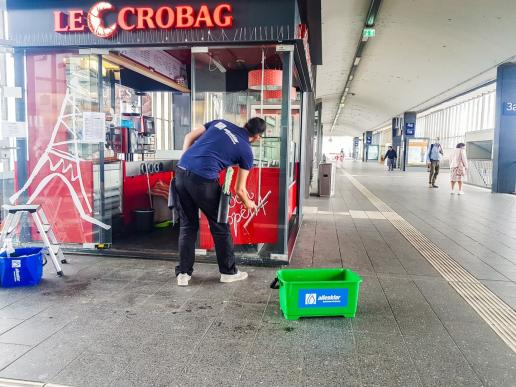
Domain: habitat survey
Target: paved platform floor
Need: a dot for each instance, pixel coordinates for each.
(121, 322)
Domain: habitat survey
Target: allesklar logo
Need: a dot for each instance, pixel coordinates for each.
(322, 298)
(142, 18)
(310, 298)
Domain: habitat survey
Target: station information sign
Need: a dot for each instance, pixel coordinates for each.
(509, 108)
(410, 128)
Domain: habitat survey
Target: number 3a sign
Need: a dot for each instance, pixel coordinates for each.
(509, 109)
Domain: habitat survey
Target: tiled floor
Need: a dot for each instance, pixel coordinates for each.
(116, 322)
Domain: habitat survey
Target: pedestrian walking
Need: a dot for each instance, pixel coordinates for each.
(433, 160)
(207, 151)
(391, 157)
(458, 167)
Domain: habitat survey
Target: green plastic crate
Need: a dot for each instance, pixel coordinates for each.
(318, 292)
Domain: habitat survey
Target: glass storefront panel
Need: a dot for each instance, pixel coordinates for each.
(65, 151)
(8, 142)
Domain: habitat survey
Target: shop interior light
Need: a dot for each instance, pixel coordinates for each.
(272, 79)
(275, 96)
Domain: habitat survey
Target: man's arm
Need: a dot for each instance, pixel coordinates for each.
(241, 189)
(191, 137)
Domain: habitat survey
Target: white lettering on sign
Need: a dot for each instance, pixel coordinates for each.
(332, 298)
(510, 106)
(240, 213)
(16, 275)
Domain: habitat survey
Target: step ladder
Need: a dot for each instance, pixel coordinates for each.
(14, 214)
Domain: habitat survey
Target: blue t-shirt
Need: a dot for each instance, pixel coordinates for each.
(222, 145)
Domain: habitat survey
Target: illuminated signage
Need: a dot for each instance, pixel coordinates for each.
(142, 18)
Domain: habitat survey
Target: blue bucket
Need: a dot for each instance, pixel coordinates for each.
(24, 267)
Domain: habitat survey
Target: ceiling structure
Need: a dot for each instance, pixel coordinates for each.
(424, 52)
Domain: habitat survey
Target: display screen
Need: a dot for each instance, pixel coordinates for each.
(372, 152)
(416, 154)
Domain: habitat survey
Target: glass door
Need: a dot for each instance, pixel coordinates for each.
(236, 84)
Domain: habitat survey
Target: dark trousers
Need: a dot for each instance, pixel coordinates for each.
(194, 193)
(391, 163)
(434, 171)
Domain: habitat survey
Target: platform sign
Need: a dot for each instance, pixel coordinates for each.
(369, 140)
(323, 298)
(410, 128)
(509, 109)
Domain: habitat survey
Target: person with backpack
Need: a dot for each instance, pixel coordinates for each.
(433, 159)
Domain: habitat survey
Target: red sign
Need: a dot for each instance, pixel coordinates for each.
(142, 18)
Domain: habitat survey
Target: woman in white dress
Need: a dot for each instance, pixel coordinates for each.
(458, 166)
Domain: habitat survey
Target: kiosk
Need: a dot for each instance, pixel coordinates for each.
(112, 87)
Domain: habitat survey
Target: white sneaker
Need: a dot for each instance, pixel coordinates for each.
(452, 193)
(239, 276)
(182, 279)
(460, 193)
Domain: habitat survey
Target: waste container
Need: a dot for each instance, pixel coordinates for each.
(326, 179)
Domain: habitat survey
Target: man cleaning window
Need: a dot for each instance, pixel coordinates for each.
(208, 150)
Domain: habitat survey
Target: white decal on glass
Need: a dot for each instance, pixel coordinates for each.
(64, 165)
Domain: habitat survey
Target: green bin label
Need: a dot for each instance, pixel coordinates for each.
(323, 298)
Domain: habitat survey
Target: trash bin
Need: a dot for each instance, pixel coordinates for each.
(318, 292)
(326, 179)
(143, 219)
(24, 267)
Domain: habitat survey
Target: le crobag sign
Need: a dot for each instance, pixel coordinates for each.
(141, 18)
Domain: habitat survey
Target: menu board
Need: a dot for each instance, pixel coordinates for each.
(160, 61)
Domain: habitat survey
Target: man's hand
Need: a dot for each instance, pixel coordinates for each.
(251, 205)
(241, 190)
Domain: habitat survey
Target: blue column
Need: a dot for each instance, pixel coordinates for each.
(356, 142)
(368, 140)
(409, 131)
(504, 146)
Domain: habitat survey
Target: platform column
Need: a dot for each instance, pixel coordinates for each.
(504, 145)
